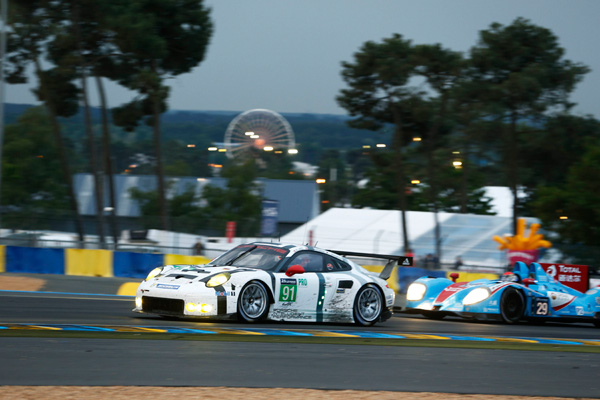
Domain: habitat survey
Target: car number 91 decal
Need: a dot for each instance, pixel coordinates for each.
(288, 290)
(540, 306)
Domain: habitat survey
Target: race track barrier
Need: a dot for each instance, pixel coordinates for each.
(108, 263)
(87, 262)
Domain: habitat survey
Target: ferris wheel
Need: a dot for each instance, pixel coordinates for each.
(259, 129)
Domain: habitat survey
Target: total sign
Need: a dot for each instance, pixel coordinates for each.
(573, 276)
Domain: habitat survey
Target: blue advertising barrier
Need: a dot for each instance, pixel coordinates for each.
(407, 275)
(135, 265)
(35, 260)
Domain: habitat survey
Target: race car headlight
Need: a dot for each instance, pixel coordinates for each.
(154, 272)
(476, 295)
(415, 292)
(218, 280)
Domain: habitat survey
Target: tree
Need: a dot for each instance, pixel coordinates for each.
(158, 39)
(32, 25)
(572, 210)
(520, 72)
(441, 68)
(378, 94)
(30, 160)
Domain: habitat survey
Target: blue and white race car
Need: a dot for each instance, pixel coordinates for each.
(526, 293)
(272, 281)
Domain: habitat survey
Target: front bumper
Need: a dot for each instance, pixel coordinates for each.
(191, 304)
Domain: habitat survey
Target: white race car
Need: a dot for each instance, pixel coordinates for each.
(259, 281)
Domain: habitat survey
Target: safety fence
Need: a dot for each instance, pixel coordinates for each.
(87, 262)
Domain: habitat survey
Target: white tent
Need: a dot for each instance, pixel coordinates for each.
(379, 231)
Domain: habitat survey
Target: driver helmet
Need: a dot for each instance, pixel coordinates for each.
(510, 277)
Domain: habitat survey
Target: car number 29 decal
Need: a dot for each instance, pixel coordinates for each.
(540, 306)
(288, 290)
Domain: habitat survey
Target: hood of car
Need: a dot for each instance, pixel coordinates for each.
(464, 287)
(192, 272)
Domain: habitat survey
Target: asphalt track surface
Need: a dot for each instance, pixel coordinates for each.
(95, 361)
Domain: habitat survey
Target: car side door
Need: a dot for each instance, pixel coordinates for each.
(297, 296)
(340, 290)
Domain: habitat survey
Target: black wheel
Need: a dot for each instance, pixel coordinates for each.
(512, 305)
(368, 305)
(253, 303)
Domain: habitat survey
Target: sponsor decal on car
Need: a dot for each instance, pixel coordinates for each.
(165, 286)
(288, 290)
(283, 313)
(218, 294)
(559, 300)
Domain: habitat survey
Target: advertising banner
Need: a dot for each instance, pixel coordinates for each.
(571, 275)
(270, 218)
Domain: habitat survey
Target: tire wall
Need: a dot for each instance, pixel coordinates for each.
(87, 262)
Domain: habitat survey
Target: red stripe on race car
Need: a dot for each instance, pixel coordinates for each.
(457, 287)
(500, 287)
(560, 307)
(449, 291)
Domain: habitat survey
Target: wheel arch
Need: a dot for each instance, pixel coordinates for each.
(265, 284)
(383, 302)
(523, 311)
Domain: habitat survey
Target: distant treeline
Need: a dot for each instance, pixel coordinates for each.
(313, 132)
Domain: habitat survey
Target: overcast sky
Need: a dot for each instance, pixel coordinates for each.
(285, 55)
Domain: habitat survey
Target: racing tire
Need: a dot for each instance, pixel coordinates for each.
(253, 302)
(512, 305)
(368, 305)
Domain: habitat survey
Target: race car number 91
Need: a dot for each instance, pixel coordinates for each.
(288, 290)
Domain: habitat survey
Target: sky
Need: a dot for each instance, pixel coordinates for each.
(286, 55)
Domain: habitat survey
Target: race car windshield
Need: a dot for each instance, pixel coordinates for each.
(253, 256)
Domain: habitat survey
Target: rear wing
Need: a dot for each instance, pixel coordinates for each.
(392, 260)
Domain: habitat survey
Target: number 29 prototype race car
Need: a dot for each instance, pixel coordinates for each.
(259, 281)
(526, 293)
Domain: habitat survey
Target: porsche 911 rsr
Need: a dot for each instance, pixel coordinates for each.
(526, 293)
(259, 281)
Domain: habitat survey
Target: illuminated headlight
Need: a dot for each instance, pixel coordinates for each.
(218, 280)
(138, 302)
(190, 307)
(154, 272)
(416, 291)
(476, 295)
(205, 308)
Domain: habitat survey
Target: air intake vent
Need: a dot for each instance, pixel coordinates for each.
(160, 305)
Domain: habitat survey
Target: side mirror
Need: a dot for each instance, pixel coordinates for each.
(528, 281)
(454, 276)
(294, 269)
